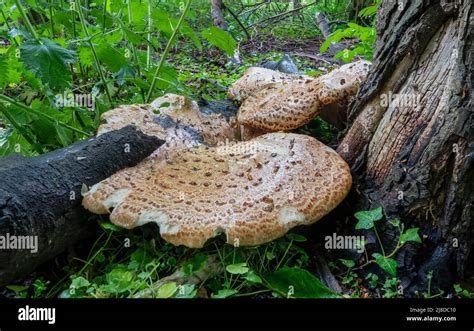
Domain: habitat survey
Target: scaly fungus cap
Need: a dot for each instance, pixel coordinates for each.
(253, 191)
(287, 105)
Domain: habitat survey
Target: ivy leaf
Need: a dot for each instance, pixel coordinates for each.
(367, 218)
(395, 222)
(221, 39)
(410, 235)
(237, 269)
(387, 264)
(48, 61)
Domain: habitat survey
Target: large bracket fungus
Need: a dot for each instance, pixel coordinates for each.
(253, 191)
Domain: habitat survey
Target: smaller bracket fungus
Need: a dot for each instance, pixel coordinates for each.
(253, 191)
(286, 104)
(168, 113)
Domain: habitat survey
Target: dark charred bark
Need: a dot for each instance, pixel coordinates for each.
(41, 196)
(414, 155)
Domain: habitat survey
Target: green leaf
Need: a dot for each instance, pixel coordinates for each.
(297, 283)
(119, 280)
(368, 11)
(195, 263)
(325, 45)
(109, 226)
(296, 237)
(48, 61)
(270, 255)
(64, 139)
(395, 222)
(347, 263)
(410, 235)
(79, 282)
(20, 288)
(367, 218)
(3, 69)
(237, 269)
(111, 56)
(221, 39)
(387, 264)
(224, 294)
(166, 291)
(253, 278)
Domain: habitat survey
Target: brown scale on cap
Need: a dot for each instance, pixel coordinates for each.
(253, 192)
(289, 104)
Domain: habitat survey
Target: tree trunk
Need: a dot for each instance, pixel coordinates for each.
(410, 144)
(217, 12)
(40, 197)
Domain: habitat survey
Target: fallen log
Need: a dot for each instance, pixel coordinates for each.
(40, 197)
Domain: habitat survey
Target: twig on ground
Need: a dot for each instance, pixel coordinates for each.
(282, 14)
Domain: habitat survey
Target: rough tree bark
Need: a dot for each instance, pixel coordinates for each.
(41, 196)
(217, 12)
(411, 141)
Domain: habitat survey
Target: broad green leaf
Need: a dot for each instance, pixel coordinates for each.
(298, 283)
(367, 218)
(222, 294)
(48, 61)
(3, 70)
(237, 268)
(111, 57)
(221, 39)
(166, 291)
(325, 45)
(252, 277)
(387, 264)
(368, 11)
(410, 235)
